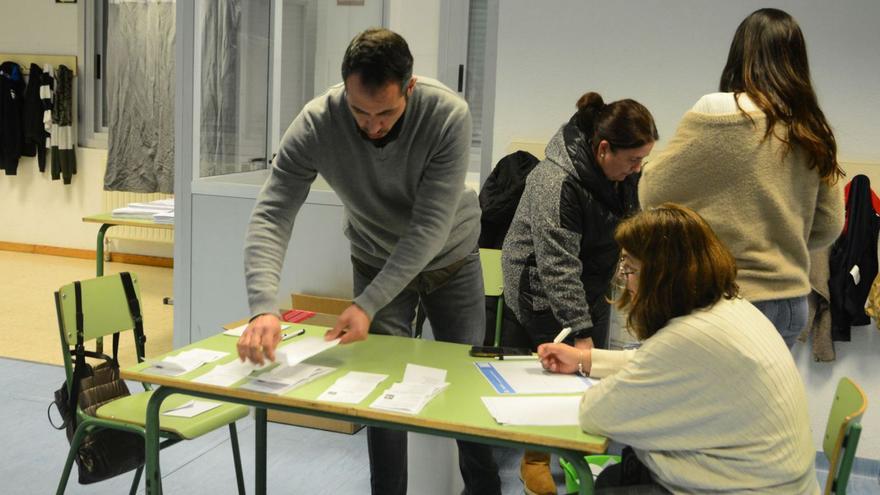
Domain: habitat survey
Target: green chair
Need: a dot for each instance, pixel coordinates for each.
(493, 284)
(105, 311)
(572, 483)
(842, 433)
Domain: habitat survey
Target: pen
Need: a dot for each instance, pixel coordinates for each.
(293, 334)
(562, 335)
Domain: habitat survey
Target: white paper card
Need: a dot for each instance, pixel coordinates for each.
(420, 384)
(191, 409)
(352, 388)
(302, 349)
(184, 362)
(224, 375)
(559, 410)
(284, 378)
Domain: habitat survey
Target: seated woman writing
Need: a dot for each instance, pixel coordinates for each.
(712, 401)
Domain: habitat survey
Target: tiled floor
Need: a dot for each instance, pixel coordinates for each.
(300, 460)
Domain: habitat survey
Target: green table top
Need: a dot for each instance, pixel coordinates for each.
(458, 409)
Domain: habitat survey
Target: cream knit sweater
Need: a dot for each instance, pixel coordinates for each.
(711, 403)
(766, 206)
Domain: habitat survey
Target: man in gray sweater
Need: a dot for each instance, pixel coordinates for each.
(395, 151)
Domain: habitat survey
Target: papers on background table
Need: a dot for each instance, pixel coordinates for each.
(420, 384)
(237, 331)
(184, 362)
(353, 387)
(528, 377)
(302, 349)
(160, 211)
(285, 378)
(191, 409)
(534, 411)
(224, 375)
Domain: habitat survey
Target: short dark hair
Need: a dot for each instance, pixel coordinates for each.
(685, 266)
(625, 124)
(378, 56)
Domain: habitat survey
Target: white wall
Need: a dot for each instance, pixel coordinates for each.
(35, 209)
(666, 54)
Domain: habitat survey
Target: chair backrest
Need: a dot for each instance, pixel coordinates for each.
(104, 307)
(842, 433)
(493, 281)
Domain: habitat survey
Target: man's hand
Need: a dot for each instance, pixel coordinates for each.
(260, 339)
(563, 358)
(351, 326)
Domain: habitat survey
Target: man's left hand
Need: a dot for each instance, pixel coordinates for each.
(351, 326)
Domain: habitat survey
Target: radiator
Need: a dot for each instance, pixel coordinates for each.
(117, 199)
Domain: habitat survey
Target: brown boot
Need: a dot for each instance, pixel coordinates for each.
(534, 470)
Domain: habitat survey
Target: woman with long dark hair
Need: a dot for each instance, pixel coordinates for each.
(758, 161)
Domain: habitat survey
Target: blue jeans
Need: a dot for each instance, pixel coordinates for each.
(789, 316)
(454, 302)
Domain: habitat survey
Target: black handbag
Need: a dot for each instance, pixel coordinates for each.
(104, 452)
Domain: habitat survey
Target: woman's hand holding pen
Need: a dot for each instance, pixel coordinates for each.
(563, 358)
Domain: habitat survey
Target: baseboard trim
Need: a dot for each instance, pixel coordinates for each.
(133, 259)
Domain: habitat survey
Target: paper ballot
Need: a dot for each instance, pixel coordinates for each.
(237, 331)
(559, 410)
(302, 349)
(184, 362)
(224, 375)
(420, 384)
(352, 388)
(285, 378)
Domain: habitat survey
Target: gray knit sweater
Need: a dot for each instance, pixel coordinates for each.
(406, 205)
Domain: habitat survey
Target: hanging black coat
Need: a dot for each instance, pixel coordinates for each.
(11, 116)
(500, 195)
(853, 261)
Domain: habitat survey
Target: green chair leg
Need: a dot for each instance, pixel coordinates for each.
(75, 442)
(572, 484)
(137, 480)
(236, 458)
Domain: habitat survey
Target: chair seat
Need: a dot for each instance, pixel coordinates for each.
(132, 410)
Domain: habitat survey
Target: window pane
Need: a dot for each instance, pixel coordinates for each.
(234, 86)
(478, 19)
(298, 39)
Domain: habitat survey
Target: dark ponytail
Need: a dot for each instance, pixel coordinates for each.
(624, 123)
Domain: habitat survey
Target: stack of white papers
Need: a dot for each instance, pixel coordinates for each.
(420, 384)
(302, 349)
(528, 377)
(191, 409)
(353, 387)
(224, 375)
(184, 362)
(534, 411)
(148, 211)
(284, 378)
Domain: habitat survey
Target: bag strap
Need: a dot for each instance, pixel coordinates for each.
(80, 351)
(134, 309)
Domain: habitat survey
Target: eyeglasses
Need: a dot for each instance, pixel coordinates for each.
(622, 277)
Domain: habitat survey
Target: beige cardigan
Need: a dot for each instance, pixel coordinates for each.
(765, 205)
(713, 402)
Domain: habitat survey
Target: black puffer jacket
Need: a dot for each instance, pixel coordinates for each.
(11, 116)
(559, 255)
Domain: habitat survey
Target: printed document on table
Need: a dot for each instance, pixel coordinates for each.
(420, 385)
(302, 349)
(353, 387)
(191, 409)
(224, 375)
(555, 410)
(184, 362)
(528, 377)
(237, 331)
(285, 378)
